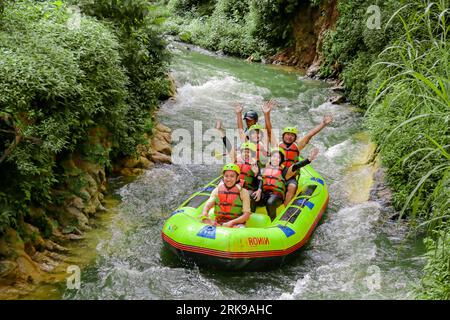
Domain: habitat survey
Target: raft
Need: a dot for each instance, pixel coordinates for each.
(262, 244)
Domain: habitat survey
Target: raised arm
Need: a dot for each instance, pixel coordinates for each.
(327, 119)
(238, 108)
(229, 148)
(266, 108)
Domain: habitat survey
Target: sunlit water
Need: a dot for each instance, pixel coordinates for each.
(355, 253)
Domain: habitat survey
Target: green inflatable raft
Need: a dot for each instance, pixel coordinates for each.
(261, 244)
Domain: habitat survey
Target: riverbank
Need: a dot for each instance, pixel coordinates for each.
(36, 260)
(78, 102)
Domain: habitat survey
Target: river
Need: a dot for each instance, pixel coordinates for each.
(356, 252)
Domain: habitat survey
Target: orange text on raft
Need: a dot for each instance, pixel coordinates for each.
(254, 241)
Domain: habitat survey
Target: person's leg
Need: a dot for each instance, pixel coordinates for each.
(273, 202)
(291, 190)
(252, 201)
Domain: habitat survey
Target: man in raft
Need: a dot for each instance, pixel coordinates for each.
(251, 118)
(255, 136)
(231, 202)
(272, 188)
(291, 146)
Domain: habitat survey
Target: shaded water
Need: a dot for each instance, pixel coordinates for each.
(355, 253)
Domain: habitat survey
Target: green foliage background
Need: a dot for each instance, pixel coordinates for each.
(238, 27)
(63, 73)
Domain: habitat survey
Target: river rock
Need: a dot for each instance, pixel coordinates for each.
(53, 246)
(131, 162)
(338, 88)
(313, 69)
(28, 269)
(76, 202)
(172, 86)
(144, 163)
(44, 262)
(77, 216)
(159, 144)
(72, 236)
(131, 171)
(162, 128)
(158, 157)
(101, 197)
(337, 99)
(8, 270)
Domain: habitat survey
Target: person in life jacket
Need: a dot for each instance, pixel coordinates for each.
(247, 163)
(291, 145)
(231, 202)
(256, 136)
(272, 187)
(250, 117)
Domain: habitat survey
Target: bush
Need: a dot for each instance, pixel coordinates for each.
(352, 47)
(240, 28)
(62, 75)
(409, 117)
(144, 59)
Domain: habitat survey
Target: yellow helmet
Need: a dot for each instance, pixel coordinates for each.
(248, 145)
(231, 167)
(256, 126)
(292, 130)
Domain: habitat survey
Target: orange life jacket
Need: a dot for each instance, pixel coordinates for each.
(273, 181)
(291, 153)
(228, 204)
(247, 176)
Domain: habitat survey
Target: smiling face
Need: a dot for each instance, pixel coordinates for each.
(246, 154)
(254, 136)
(289, 138)
(275, 159)
(230, 178)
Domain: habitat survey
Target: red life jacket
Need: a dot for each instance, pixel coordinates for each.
(247, 176)
(273, 181)
(228, 204)
(291, 153)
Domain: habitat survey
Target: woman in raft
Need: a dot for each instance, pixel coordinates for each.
(272, 187)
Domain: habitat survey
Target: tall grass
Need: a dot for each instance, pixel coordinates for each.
(409, 116)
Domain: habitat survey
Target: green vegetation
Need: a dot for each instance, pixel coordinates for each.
(352, 47)
(63, 74)
(409, 117)
(400, 74)
(236, 27)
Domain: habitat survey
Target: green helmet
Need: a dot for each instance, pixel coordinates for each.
(232, 167)
(292, 130)
(248, 145)
(256, 126)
